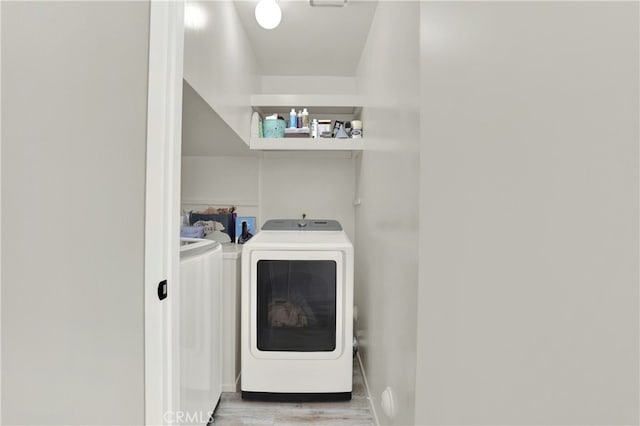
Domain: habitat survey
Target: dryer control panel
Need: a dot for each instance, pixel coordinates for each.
(301, 225)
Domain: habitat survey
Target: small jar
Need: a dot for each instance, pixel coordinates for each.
(356, 129)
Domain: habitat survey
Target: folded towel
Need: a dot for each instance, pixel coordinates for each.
(218, 236)
(191, 232)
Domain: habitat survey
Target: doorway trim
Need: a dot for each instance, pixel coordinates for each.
(162, 204)
(0, 216)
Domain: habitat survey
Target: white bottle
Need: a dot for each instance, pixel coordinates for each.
(356, 129)
(305, 118)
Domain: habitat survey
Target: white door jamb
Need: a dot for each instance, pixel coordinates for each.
(162, 209)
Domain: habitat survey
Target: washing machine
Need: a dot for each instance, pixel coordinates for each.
(297, 312)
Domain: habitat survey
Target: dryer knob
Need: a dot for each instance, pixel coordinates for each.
(302, 224)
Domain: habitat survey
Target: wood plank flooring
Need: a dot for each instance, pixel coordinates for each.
(233, 411)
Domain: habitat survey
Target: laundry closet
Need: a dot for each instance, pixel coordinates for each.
(335, 62)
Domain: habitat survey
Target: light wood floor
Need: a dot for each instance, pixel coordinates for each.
(234, 411)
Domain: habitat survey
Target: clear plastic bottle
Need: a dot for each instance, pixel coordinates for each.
(293, 119)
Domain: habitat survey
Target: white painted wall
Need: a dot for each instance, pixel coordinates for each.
(528, 302)
(321, 187)
(308, 84)
(282, 186)
(219, 62)
(74, 94)
(386, 249)
(204, 132)
(221, 181)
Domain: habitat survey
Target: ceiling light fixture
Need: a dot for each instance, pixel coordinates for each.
(195, 17)
(268, 14)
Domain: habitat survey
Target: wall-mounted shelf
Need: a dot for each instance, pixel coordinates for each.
(340, 107)
(306, 144)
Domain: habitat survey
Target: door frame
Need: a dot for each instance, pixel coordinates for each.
(162, 204)
(0, 214)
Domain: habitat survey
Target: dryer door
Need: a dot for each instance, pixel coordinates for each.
(297, 304)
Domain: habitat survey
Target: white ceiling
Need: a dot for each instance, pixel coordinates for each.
(309, 40)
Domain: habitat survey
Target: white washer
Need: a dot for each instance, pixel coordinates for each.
(297, 312)
(197, 316)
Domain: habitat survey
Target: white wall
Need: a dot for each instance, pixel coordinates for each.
(308, 84)
(322, 187)
(273, 187)
(74, 94)
(204, 132)
(386, 249)
(528, 302)
(221, 181)
(219, 62)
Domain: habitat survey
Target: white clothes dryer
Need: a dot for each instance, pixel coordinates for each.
(297, 312)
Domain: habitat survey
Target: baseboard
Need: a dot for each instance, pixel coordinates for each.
(232, 387)
(296, 397)
(366, 387)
